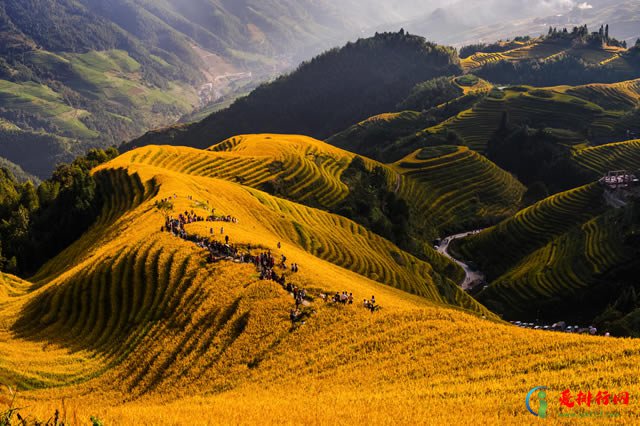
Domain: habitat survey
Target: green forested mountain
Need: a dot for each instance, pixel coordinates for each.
(318, 98)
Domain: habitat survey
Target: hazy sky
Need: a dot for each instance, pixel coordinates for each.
(466, 21)
(409, 9)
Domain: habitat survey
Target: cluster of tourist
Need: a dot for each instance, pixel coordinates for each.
(299, 294)
(228, 219)
(370, 304)
(185, 218)
(217, 250)
(346, 298)
(264, 262)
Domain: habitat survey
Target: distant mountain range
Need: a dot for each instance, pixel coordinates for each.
(464, 22)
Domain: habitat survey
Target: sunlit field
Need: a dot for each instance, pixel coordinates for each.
(133, 326)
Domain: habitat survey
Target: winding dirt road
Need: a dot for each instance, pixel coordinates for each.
(471, 276)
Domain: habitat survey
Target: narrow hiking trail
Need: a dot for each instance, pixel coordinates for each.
(471, 276)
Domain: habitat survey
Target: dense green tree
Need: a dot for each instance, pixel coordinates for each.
(536, 157)
(431, 93)
(29, 197)
(37, 223)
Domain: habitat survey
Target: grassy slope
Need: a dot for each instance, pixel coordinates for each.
(120, 273)
(152, 335)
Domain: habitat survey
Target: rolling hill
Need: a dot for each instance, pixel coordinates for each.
(445, 191)
(569, 256)
(457, 188)
(317, 89)
(308, 236)
(317, 98)
(532, 228)
(130, 324)
(574, 115)
(546, 49)
(190, 278)
(604, 158)
(384, 136)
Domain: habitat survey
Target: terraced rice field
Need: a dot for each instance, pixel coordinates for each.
(572, 262)
(131, 325)
(386, 117)
(124, 192)
(595, 56)
(116, 289)
(456, 186)
(539, 50)
(536, 50)
(597, 107)
(309, 172)
(622, 64)
(300, 168)
(546, 50)
(322, 234)
(39, 99)
(617, 96)
(566, 250)
(615, 156)
(478, 124)
(600, 110)
(505, 245)
(482, 86)
(478, 60)
(563, 112)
